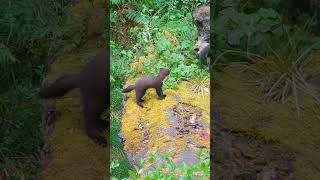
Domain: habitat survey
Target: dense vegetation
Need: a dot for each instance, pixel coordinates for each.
(268, 32)
(31, 33)
(158, 33)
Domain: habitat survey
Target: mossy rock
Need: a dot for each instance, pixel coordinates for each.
(178, 125)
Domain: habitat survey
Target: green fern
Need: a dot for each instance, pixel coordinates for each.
(138, 17)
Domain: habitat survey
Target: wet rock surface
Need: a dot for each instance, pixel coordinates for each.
(186, 123)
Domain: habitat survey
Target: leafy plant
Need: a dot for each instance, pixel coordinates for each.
(246, 32)
(281, 73)
(284, 73)
(168, 170)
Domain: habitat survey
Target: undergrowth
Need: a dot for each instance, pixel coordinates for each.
(168, 169)
(21, 137)
(277, 54)
(247, 26)
(32, 33)
(119, 70)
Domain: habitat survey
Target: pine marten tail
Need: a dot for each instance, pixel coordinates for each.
(60, 87)
(128, 89)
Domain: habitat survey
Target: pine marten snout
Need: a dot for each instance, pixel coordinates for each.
(144, 84)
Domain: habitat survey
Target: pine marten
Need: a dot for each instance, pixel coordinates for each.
(144, 84)
(93, 82)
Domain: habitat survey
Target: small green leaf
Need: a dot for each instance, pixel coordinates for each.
(142, 162)
(268, 13)
(133, 174)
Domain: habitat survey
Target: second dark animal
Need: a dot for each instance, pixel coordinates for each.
(144, 84)
(201, 18)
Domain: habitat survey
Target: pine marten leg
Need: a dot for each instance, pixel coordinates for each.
(102, 124)
(139, 95)
(93, 108)
(160, 93)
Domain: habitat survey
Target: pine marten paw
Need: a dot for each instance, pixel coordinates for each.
(163, 97)
(97, 138)
(101, 141)
(140, 104)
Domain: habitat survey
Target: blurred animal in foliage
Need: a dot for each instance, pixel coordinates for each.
(201, 18)
(93, 82)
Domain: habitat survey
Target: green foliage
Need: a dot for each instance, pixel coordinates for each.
(246, 25)
(249, 6)
(173, 36)
(21, 137)
(246, 32)
(144, 11)
(113, 165)
(168, 170)
(119, 71)
(30, 30)
(119, 163)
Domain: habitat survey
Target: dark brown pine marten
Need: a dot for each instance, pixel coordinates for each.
(144, 84)
(93, 82)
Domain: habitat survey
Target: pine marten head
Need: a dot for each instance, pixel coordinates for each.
(163, 73)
